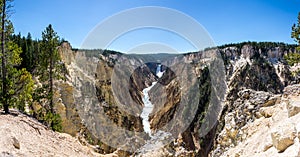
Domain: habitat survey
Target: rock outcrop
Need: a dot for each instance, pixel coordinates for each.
(257, 78)
(275, 135)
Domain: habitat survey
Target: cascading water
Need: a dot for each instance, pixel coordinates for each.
(158, 137)
(147, 109)
(148, 106)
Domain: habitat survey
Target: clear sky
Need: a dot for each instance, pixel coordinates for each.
(227, 21)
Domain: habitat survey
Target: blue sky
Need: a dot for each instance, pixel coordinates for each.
(227, 21)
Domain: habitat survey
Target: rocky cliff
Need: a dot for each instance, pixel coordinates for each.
(255, 79)
(272, 131)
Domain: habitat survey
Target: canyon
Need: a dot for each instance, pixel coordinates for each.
(235, 100)
(243, 68)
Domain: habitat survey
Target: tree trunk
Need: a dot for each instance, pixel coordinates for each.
(3, 57)
(51, 83)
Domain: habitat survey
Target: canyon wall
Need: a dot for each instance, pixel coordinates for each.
(104, 90)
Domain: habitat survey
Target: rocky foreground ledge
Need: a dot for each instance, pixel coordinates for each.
(21, 135)
(274, 132)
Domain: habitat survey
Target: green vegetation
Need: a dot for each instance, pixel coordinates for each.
(296, 32)
(260, 45)
(30, 51)
(39, 59)
(48, 60)
(48, 69)
(21, 60)
(16, 83)
(292, 58)
(107, 52)
(49, 118)
(256, 45)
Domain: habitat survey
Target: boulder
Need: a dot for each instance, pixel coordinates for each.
(293, 107)
(267, 112)
(16, 143)
(283, 136)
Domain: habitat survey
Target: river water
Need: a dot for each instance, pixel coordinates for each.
(157, 139)
(148, 106)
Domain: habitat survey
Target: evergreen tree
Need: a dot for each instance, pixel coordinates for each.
(296, 32)
(3, 55)
(28, 53)
(49, 57)
(16, 83)
(49, 68)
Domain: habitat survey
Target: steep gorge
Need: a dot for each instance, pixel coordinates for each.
(254, 77)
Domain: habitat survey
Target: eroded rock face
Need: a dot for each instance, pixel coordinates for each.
(245, 109)
(255, 77)
(273, 135)
(88, 94)
(165, 96)
(172, 106)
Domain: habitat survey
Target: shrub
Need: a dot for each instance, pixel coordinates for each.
(52, 120)
(292, 58)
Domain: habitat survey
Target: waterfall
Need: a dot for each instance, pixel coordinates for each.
(159, 73)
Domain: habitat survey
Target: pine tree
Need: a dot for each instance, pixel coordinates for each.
(16, 83)
(50, 57)
(296, 32)
(49, 68)
(3, 56)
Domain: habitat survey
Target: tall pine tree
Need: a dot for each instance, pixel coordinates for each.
(17, 84)
(49, 58)
(296, 32)
(49, 68)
